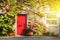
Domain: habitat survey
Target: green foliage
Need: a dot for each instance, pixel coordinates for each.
(6, 24)
(31, 3)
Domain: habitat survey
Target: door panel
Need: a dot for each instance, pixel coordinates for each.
(21, 23)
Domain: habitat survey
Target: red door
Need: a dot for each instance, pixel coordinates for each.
(21, 23)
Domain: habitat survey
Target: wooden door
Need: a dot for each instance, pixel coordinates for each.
(21, 23)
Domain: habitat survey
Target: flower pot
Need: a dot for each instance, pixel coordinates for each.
(11, 33)
(30, 33)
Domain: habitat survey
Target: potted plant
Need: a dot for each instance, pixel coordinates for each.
(32, 30)
(36, 29)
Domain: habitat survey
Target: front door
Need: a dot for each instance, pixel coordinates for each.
(21, 23)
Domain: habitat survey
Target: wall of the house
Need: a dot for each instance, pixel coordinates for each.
(54, 28)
